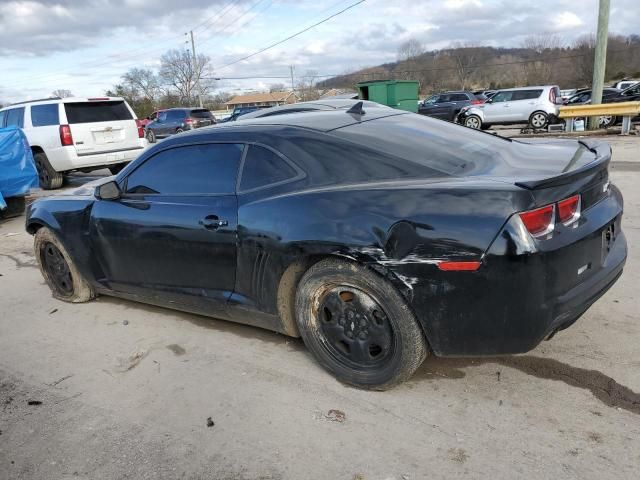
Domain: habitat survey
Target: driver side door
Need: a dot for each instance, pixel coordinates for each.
(497, 109)
(171, 236)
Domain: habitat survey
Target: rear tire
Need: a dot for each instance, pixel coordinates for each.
(538, 120)
(151, 137)
(358, 326)
(179, 130)
(48, 177)
(473, 121)
(59, 271)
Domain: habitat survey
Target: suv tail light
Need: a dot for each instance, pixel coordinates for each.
(539, 222)
(188, 120)
(140, 128)
(569, 210)
(66, 139)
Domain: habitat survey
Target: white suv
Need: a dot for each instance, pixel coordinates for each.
(77, 134)
(536, 106)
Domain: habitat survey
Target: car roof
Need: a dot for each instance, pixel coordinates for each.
(320, 121)
(525, 88)
(325, 104)
(56, 100)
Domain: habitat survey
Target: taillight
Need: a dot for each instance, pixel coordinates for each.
(476, 102)
(65, 136)
(188, 120)
(140, 128)
(539, 222)
(569, 210)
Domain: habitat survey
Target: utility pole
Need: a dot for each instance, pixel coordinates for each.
(195, 67)
(292, 87)
(600, 60)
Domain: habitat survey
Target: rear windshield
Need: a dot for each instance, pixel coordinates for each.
(442, 146)
(200, 113)
(91, 112)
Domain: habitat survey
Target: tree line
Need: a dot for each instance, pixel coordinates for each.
(541, 60)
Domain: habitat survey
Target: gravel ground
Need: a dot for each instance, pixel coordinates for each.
(119, 390)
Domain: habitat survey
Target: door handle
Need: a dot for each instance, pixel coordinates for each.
(212, 222)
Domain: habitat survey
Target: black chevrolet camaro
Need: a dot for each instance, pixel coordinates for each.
(378, 236)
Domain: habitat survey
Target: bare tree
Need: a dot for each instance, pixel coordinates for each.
(144, 82)
(178, 69)
(543, 48)
(306, 86)
(62, 93)
(276, 87)
(584, 49)
(467, 59)
(409, 50)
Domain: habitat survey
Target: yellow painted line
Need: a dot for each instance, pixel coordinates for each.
(615, 109)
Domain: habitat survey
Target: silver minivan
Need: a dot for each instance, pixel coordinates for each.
(537, 106)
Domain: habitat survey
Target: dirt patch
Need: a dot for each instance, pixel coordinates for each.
(458, 455)
(603, 387)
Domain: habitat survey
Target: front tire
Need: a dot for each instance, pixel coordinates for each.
(606, 121)
(473, 121)
(538, 120)
(48, 177)
(59, 270)
(358, 326)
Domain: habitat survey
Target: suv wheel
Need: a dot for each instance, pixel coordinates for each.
(473, 121)
(151, 137)
(538, 119)
(49, 178)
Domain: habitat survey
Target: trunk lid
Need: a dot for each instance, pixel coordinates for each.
(101, 126)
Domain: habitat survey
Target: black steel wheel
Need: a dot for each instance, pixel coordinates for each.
(356, 328)
(64, 279)
(57, 269)
(357, 325)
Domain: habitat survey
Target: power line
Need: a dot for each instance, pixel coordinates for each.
(246, 57)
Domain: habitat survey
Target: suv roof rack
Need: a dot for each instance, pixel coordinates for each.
(32, 101)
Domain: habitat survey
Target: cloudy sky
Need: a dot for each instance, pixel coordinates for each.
(86, 45)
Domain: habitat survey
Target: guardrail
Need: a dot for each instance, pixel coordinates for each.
(626, 110)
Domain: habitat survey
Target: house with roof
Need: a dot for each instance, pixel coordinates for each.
(269, 99)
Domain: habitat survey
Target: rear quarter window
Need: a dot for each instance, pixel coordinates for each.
(93, 112)
(44, 115)
(263, 167)
(201, 114)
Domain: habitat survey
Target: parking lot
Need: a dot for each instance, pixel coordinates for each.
(116, 389)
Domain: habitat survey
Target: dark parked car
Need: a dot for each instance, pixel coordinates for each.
(447, 105)
(377, 236)
(631, 94)
(177, 120)
(583, 96)
(240, 111)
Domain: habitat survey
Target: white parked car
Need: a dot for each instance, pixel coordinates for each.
(536, 106)
(67, 134)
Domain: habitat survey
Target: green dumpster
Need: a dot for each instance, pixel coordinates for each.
(400, 94)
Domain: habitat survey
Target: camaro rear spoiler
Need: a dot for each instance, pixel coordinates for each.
(602, 152)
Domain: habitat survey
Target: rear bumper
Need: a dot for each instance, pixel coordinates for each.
(63, 159)
(518, 298)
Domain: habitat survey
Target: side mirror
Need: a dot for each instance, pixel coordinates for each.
(108, 191)
(489, 100)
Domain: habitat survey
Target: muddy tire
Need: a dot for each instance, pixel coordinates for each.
(358, 326)
(151, 137)
(59, 271)
(48, 177)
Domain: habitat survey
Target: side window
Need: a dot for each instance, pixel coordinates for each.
(459, 97)
(263, 167)
(443, 99)
(43, 115)
(162, 116)
(15, 116)
(501, 97)
(205, 169)
(176, 115)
